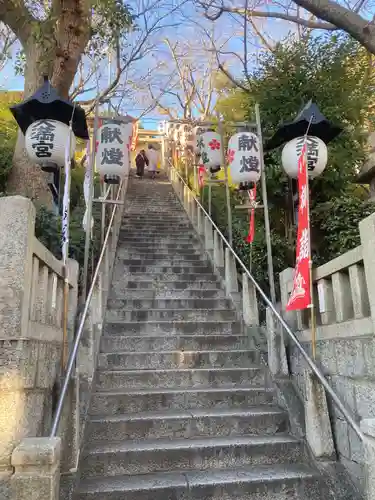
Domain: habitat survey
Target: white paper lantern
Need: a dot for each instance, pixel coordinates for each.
(211, 150)
(112, 156)
(46, 142)
(317, 156)
(244, 158)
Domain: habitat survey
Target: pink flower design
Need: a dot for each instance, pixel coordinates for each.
(214, 144)
(230, 155)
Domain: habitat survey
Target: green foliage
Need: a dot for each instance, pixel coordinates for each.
(48, 231)
(337, 74)
(340, 228)
(8, 136)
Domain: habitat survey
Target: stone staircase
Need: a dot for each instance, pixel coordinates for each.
(182, 407)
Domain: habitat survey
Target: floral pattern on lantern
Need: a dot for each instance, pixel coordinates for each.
(244, 158)
(211, 151)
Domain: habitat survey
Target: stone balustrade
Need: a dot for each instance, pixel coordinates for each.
(31, 344)
(344, 299)
(31, 329)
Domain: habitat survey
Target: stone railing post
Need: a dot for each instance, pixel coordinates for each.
(36, 463)
(286, 284)
(277, 360)
(18, 352)
(200, 222)
(368, 429)
(231, 282)
(249, 302)
(218, 252)
(367, 234)
(208, 236)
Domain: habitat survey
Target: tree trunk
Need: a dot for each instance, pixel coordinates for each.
(59, 60)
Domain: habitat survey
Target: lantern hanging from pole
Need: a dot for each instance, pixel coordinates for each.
(112, 156)
(211, 151)
(46, 141)
(244, 159)
(317, 156)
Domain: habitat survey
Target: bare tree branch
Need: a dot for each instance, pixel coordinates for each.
(221, 9)
(16, 15)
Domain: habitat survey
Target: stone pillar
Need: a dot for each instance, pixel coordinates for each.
(326, 304)
(200, 222)
(36, 463)
(18, 354)
(318, 424)
(249, 302)
(368, 429)
(218, 251)
(277, 361)
(231, 282)
(367, 233)
(208, 236)
(286, 284)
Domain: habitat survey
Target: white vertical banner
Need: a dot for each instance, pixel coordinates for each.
(86, 186)
(66, 200)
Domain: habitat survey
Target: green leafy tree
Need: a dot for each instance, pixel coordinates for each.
(336, 72)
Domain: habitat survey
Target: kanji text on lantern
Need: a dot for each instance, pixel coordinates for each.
(44, 135)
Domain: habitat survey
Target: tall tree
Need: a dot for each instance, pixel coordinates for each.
(58, 36)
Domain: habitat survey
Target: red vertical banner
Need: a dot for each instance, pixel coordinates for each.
(201, 174)
(252, 199)
(300, 298)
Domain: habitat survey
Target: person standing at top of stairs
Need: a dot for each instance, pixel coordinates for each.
(153, 159)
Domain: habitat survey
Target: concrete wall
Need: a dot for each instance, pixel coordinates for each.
(344, 297)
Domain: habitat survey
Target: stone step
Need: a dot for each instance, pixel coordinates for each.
(162, 246)
(165, 285)
(205, 271)
(166, 292)
(135, 401)
(163, 253)
(182, 223)
(146, 257)
(186, 424)
(201, 264)
(122, 343)
(134, 274)
(137, 304)
(171, 315)
(142, 457)
(271, 482)
(108, 380)
(149, 360)
(179, 238)
(158, 328)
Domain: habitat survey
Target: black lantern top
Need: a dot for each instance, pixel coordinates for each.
(47, 104)
(319, 127)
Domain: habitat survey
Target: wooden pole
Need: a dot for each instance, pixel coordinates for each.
(267, 228)
(227, 190)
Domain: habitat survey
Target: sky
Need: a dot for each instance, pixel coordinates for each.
(185, 27)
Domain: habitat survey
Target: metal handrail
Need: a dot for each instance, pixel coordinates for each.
(77, 340)
(348, 417)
